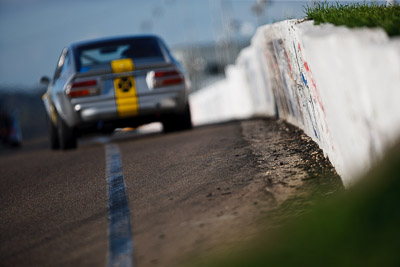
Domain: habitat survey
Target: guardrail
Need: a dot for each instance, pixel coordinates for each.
(341, 86)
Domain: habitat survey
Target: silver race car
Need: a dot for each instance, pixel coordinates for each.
(111, 83)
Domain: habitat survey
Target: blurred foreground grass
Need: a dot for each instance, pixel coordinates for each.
(359, 227)
(357, 15)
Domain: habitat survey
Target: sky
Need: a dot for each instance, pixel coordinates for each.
(33, 32)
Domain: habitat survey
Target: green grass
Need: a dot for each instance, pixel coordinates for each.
(360, 227)
(357, 15)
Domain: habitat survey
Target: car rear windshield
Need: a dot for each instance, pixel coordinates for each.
(103, 53)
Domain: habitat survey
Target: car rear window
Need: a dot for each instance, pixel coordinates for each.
(97, 54)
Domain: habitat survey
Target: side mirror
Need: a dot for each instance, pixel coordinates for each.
(45, 81)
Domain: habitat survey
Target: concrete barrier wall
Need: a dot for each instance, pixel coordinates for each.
(341, 86)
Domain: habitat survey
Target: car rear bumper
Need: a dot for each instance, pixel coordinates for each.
(149, 104)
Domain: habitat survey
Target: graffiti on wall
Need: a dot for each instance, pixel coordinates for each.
(293, 85)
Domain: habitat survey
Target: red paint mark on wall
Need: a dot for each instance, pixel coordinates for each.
(314, 85)
(308, 70)
(306, 66)
(288, 61)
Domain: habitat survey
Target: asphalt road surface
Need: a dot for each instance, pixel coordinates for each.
(187, 193)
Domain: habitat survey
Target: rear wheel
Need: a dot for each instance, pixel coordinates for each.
(66, 135)
(185, 119)
(53, 135)
(179, 122)
(168, 125)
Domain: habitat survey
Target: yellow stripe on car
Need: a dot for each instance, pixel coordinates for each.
(125, 88)
(52, 110)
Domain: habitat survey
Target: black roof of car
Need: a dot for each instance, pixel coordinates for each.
(112, 39)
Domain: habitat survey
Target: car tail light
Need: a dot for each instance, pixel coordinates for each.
(84, 84)
(158, 74)
(82, 89)
(163, 78)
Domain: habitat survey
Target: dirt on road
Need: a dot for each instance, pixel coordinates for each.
(272, 173)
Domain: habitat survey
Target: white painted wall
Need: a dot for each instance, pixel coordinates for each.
(340, 85)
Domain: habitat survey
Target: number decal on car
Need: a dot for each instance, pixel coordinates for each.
(125, 88)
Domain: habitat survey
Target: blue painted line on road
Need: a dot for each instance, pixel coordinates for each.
(120, 251)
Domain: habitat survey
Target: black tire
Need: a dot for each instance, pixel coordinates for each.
(66, 135)
(53, 135)
(185, 119)
(178, 122)
(168, 125)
